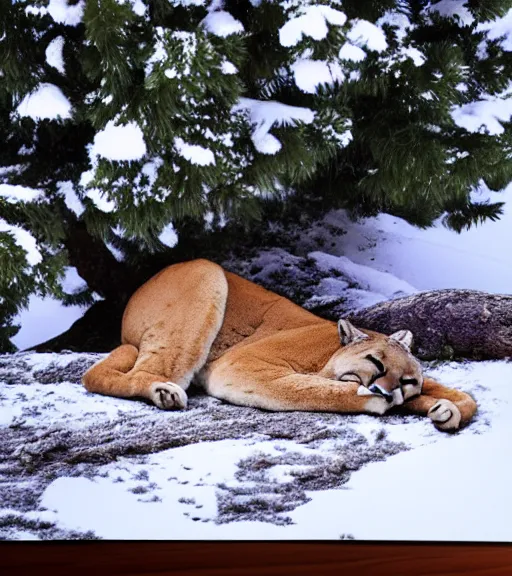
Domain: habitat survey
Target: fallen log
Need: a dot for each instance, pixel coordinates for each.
(447, 323)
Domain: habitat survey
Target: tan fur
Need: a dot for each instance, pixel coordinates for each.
(249, 346)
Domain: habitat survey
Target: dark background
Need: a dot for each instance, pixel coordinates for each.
(251, 558)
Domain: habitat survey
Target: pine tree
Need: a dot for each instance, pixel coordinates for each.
(425, 110)
(131, 119)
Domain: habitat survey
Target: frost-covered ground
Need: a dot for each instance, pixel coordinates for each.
(77, 465)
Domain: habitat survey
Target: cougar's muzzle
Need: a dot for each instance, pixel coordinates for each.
(376, 389)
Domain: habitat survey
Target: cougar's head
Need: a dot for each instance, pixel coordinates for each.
(381, 365)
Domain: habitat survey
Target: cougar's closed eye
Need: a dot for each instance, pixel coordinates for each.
(376, 362)
(350, 377)
(408, 381)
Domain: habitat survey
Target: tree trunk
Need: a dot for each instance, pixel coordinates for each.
(447, 323)
(97, 265)
(98, 330)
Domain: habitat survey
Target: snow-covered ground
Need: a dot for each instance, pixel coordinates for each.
(219, 472)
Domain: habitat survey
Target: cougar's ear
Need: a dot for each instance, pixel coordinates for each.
(349, 333)
(403, 337)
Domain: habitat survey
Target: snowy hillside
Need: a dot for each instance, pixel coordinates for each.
(77, 465)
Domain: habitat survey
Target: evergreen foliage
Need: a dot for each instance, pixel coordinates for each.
(132, 118)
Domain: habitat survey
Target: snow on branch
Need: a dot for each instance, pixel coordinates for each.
(194, 153)
(367, 35)
(221, 23)
(24, 239)
(499, 29)
(266, 114)
(73, 202)
(124, 142)
(312, 21)
(54, 55)
(309, 74)
(113, 143)
(46, 101)
(15, 194)
(456, 9)
(137, 6)
(61, 11)
(484, 116)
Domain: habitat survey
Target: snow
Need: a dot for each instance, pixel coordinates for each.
(64, 406)
(118, 254)
(150, 171)
(64, 13)
(266, 114)
(309, 74)
(24, 239)
(484, 115)
(188, 41)
(453, 9)
(267, 144)
(434, 258)
(499, 28)
(71, 199)
(458, 485)
(138, 7)
(17, 193)
(150, 521)
(100, 200)
(61, 11)
(350, 52)
(168, 236)
(54, 55)
(159, 52)
(398, 21)
(365, 34)
(383, 284)
(46, 101)
(194, 153)
(221, 23)
(172, 494)
(312, 22)
(123, 142)
(190, 2)
(415, 55)
(449, 490)
(228, 67)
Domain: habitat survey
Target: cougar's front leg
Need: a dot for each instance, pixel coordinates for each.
(115, 376)
(262, 385)
(447, 408)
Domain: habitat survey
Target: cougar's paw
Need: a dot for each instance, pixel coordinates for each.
(445, 415)
(168, 396)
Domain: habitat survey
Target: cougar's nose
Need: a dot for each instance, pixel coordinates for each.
(376, 389)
